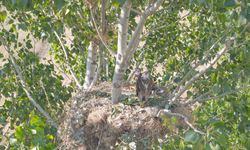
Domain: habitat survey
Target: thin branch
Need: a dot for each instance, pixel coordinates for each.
(134, 41)
(101, 45)
(153, 29)
(60, 70)
(153, 7)
(45, 92)
(201, 99)
(26, 88)
(167, 112)
(197, 65)
(138, 63)
(99, 34)
(67, 61)
(136, 11)
(204, 70)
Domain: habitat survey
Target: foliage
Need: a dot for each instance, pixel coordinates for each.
(175, 42)
(46, 88)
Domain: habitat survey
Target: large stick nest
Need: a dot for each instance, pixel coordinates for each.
(91, 121)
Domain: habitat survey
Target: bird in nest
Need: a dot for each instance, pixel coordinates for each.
(144, 85)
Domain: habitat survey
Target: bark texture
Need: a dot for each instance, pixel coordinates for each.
(121, 52)
(127, 48)
(91, 65)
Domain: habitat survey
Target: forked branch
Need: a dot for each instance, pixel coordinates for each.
(134, 41)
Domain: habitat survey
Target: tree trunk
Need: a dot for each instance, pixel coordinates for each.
(121, 52)
(91, 65)
(126, 49)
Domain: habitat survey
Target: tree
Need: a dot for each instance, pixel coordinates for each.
(125, 51)
(202, 47)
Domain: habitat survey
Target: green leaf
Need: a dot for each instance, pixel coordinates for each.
(189, 94)
(229, 3)
(226, 88)
(19, 133)
(59, 4)
(222, 139)
(28, 44)
(3, 15)
(218, 124)
(36, 121)
(191, 137)
(117, 3)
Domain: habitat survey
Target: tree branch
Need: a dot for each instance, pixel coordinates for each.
(167, 112)
(26, 88)
(60, 70)
(137, 65)
(97, 73)
(201, 99)
(203, 70)
(197, 65)
(152, 7)
(99, 34)
(136, 11)
(134, 41)
(67, 61)
(123, 28)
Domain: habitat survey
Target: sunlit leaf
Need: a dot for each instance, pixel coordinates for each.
(19, 133)
(3, 15)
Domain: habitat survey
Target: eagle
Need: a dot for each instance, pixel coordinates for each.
(144, 85)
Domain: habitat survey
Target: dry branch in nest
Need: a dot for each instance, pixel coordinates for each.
(91, 121)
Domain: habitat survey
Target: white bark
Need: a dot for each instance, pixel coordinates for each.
(93, 69)
(134, 41)
(122, 46)
(125, 52)
(91, 65)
